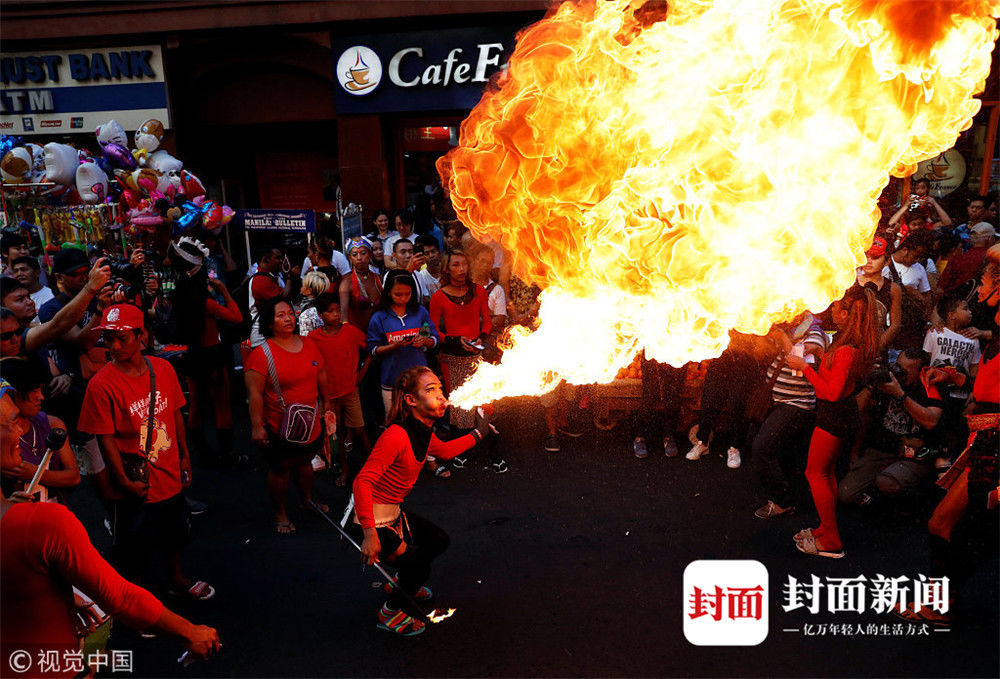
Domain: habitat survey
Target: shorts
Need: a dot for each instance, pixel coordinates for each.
(279, 453)
(348, 408)
(140, 528)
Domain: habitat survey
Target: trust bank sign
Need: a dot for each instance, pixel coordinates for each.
(417, 71)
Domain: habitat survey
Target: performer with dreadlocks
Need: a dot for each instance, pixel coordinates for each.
(393, 536)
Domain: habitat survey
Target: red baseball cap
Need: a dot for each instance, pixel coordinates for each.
(122, 317)
(878, 247)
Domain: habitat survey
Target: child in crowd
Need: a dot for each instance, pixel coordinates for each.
(340, 344)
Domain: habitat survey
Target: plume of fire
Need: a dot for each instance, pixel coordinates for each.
(667, 175)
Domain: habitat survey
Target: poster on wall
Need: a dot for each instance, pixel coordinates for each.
(70, 91)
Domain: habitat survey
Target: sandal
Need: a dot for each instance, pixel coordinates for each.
(399, 622)
(442, 472)
(285, 527)
(803, 534)
(199, 591)
(423, 594)
(807, 545)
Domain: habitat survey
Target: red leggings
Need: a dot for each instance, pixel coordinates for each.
(824, 448)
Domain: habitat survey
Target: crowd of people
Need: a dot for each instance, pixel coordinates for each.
(872, 402)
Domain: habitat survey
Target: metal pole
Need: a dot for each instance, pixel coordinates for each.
(423, 616)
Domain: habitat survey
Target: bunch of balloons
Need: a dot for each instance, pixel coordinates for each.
(153, 186)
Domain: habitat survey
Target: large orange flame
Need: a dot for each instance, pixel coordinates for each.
(670, 174)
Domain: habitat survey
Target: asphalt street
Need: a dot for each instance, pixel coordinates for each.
(571, 564)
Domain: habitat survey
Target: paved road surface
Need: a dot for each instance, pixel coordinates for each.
(568, 565)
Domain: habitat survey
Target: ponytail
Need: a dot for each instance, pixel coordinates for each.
(405, 384)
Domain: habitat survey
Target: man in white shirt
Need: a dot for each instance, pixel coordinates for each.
(427, 276)
(906, 262)
(27, 271)
(404, 230)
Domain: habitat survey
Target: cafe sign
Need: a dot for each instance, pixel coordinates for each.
(417, 71)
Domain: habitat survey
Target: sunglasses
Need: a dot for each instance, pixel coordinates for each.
(7, 336)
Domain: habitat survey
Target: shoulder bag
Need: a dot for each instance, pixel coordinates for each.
(298, 419)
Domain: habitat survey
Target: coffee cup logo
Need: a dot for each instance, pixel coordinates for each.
(359, 70)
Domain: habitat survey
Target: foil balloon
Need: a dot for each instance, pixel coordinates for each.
(61, 161)
(38, 157)
(118, 156)
(163, 162)
(91, 183)
(215, 216)
(17, 165)
(148, 136)
(191, 186)
(111, 132)
(190, 217)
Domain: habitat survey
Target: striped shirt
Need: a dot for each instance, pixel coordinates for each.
(794, 389)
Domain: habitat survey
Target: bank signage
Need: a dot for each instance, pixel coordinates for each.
(285, 221)
(417, 71)
(52, 92)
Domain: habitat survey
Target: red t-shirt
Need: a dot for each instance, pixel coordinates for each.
(264, 287)
(340, 355)
(45, 551)
(297, 377)
(118, 404)
(215, 312)
(465, 320)
(392, 468)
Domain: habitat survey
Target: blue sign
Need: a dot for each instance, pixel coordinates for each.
(284, 221)
(49, 92)
(417, 71)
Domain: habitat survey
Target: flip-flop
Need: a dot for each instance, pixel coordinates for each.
(442, 472)
(808, 545)
(285, 527)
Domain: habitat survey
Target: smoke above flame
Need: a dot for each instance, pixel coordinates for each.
(670, 174)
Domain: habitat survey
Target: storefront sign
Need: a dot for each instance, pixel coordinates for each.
(78, 90)
(285, 221)
(418, 71)
(945, 172)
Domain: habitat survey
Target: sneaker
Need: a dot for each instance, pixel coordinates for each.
(670, 446)
(399, 622)
(771, 511)
(459, 462)
(566, 430)
(697, 451)
(552, 444)
(499, 467)
(733, 460)
(195, 507)
(639, 448)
